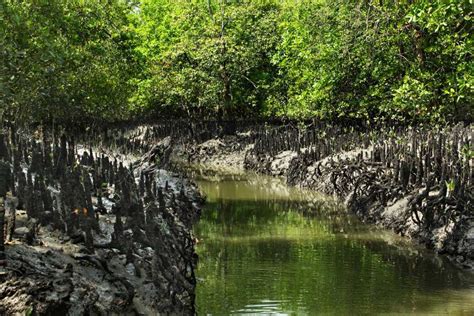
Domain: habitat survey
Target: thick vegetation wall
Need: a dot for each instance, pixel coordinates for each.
(76, 60)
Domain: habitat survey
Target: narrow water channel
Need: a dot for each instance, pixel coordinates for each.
(265, 248)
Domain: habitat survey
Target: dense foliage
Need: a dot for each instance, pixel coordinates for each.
(397, 60)
(64, 59)
(401, 60)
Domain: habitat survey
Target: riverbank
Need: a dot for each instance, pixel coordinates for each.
(418, 183)
(93, 230)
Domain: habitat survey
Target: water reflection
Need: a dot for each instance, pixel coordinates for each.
(261, 253)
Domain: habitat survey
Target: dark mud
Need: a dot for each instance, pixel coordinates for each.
(90, 230)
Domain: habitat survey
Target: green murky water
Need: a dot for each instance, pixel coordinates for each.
(262, 253)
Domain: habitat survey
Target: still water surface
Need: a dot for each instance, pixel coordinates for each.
(266, 249)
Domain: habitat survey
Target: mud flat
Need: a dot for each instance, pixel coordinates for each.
(90, 230)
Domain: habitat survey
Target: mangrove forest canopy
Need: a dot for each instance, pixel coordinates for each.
(78, 60)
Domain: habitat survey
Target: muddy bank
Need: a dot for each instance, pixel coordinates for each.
(416, 181)
(91, 230)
